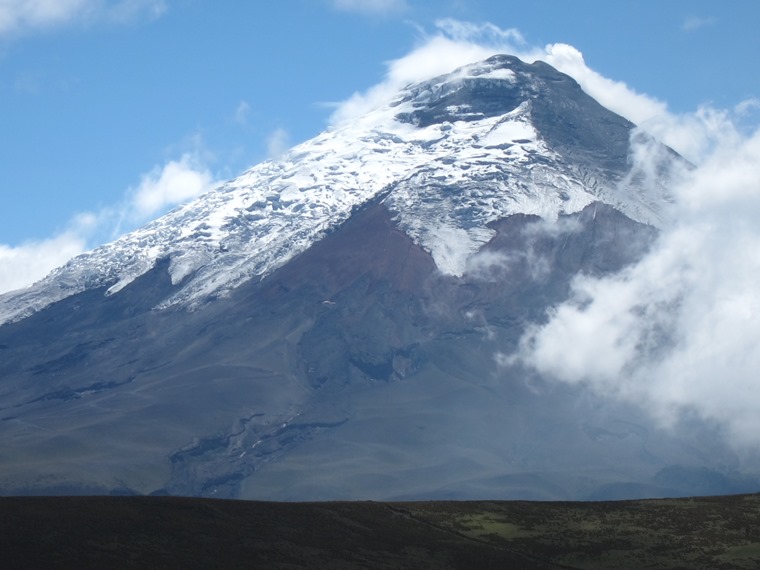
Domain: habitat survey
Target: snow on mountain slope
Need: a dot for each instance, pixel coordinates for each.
(453, 154)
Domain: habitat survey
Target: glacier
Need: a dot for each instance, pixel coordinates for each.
(445, 167)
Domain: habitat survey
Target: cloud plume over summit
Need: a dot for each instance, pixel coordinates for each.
(455, 43)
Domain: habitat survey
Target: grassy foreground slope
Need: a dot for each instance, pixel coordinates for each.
(165, 532)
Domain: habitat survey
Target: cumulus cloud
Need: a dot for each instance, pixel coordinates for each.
(372, 7)
(29, 262)
(678, 331)
(24, 16)
(175, 182)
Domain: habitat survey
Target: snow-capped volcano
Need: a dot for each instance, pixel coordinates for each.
(451, 155)
(353, 301)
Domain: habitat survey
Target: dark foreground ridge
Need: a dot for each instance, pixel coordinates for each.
(170, 532)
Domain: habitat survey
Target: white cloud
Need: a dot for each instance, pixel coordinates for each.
(694, 135)
(175, 182)
(277, 143)
(24, 16)
(677, 332)
(31, 261)
(453, 45)
(615, 95)
(370, 6)
(484, 33)
(16, 15)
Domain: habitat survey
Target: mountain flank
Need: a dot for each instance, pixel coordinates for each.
(337, 324)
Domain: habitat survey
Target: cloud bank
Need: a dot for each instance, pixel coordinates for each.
(677, 332)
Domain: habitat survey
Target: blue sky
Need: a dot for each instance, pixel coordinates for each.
(115, 110)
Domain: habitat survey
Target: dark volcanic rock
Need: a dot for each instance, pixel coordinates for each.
(355, 371)
(575, 125)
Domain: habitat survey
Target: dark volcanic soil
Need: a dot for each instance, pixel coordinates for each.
(163, 532)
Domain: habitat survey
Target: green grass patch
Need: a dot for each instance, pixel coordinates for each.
(481, 525)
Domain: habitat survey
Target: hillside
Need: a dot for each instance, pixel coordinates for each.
(164, 532)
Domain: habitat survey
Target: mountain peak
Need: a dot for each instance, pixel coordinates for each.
(481, 90)
(349, 304)
(451, 155)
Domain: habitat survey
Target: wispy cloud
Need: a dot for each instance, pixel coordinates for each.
(693, 23)
(242, 113)
(126, 11)
(483, 33)
(747, 106)
(371, 7)
(19, 17)
(277, 142)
